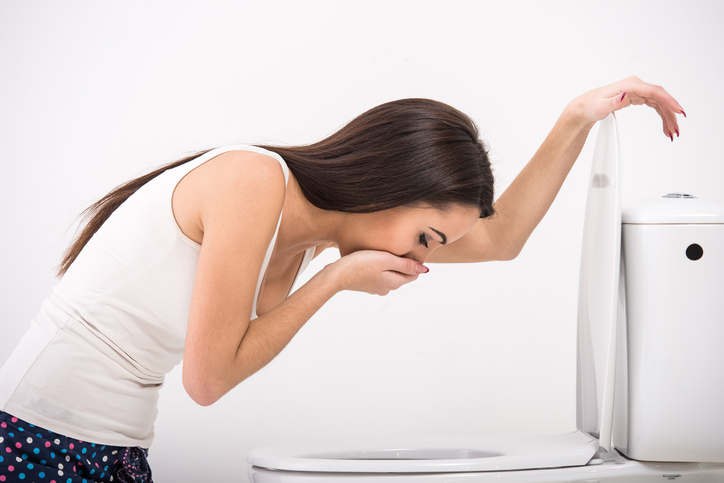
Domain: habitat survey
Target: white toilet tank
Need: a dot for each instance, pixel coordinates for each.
(670, 370)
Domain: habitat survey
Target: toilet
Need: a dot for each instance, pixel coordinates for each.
(650, 364)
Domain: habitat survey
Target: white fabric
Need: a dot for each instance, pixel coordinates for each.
(93, 361)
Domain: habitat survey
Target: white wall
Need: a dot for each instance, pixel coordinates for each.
(93, 92)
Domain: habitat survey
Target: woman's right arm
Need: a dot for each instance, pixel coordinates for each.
(238, 208)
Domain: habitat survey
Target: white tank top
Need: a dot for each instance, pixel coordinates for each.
(93, 361)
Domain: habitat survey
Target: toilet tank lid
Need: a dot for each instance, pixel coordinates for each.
(674, 208)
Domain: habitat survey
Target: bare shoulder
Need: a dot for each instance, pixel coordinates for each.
(249, 162)
(241, 176)
(230, 185)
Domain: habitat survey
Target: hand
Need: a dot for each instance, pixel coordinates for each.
(375, 272)
(599, 103)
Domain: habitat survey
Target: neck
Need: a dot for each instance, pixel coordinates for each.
(303, 225)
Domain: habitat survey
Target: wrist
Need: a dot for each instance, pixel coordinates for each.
(331, 278)
(576, 117)
(575, 113)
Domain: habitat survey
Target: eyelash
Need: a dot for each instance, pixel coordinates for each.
(423, 239)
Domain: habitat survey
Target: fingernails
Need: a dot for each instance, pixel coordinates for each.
(677, 132)
(671, 136)
(682, 111)
(622, 96)
(420, 268)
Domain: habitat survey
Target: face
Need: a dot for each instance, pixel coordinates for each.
(407, 232)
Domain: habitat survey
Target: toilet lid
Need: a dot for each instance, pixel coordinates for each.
(431, 455)
(598, 290)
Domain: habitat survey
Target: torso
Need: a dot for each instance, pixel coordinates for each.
(277, 283)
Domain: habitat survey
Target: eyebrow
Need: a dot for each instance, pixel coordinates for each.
(442, 235)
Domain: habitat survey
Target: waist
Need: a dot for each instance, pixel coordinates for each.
(70, 321)
(64, 376)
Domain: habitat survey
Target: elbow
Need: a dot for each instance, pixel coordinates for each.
(202, 399)
(508, 254)
(204, 391)
(198, 393)
(502, 252)
(509, 248)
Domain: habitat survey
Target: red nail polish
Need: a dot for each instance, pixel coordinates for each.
(677, 132)
(624, 95)
(682, 111)
(672, 137)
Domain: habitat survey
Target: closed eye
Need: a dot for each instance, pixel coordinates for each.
(423, 239)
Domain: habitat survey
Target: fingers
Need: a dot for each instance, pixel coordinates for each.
(617, 101)
(402, 271)
(670, 123)
(397, 279)
(385, 282)
(660, 100)
(407, 266)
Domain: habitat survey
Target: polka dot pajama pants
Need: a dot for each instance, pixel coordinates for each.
(30, 454)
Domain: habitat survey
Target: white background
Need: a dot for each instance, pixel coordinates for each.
(94, 92)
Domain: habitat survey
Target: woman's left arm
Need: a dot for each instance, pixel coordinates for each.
(521, 207)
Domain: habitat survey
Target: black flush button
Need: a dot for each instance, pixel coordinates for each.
(694, 252)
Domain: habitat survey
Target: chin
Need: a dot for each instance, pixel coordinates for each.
(344, 251)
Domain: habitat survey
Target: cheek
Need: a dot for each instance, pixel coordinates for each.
(401, 250)
(392, 242)
(383, 243)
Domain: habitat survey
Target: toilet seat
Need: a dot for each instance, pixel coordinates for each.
(432, 455)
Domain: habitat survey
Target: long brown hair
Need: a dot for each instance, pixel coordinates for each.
(401, 153)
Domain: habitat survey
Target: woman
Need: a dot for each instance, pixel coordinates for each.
(195, 261)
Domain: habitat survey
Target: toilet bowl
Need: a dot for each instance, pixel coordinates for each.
(614, 353)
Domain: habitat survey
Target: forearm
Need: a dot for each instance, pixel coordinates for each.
(263, 339)
(269, 334)
(522, 206)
